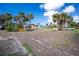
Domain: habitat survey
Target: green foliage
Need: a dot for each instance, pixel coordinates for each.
(29, 17)
(61, 19)
(9, 26)
(29, 48)
(72, 24)
(12, 27)
(76, 30)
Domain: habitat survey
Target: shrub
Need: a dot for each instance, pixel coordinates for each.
(12, 27)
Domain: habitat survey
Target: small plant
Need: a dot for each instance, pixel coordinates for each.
(28, 47)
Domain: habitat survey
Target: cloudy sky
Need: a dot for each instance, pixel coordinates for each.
(42, 11)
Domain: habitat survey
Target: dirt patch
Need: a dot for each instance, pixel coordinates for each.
(57, 43)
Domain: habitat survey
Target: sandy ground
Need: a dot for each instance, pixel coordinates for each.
(56, 43)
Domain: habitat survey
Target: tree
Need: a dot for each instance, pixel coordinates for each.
(24, 18)
(1, 22)
(21, 17)
(56, 18)
(6, 19)
(62, 19)
(77, 26)
(30, 16)
(66, 19)
(72, 24)
(1, 18)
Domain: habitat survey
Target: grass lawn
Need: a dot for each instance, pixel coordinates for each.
(48, 29)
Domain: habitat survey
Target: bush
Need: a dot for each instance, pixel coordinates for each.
(12, 27)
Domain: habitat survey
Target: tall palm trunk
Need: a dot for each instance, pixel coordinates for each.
(21, 21)
(30, 25)
(30, 21)
(59, 25)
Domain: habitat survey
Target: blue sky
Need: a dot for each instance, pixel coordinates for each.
(37, 11)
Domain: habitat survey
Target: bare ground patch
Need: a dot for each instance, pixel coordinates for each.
(56, 43)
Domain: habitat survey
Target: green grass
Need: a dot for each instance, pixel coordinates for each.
(14, 54)
(76, 30)
(48, 29)
(29, 48)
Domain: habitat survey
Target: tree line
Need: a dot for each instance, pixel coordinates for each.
(14, 23)
(7, 20)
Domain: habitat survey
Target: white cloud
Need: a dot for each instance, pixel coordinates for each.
(50, 9)
(51, 6)
(49, 15)
(69, 9)
(76, 18)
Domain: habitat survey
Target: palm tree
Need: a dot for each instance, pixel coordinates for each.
(30, 16)
(68, 20)
(24, 18)
(65, 19)
(56, 18)
(61, 19)
(21, 18)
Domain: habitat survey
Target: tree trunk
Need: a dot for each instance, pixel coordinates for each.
(59, 25)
